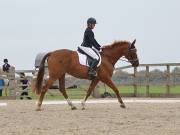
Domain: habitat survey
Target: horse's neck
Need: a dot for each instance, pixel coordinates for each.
(114, 54)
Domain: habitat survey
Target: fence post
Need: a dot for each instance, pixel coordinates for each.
(168, 80)
(12, 83)
(135, 81)
(147, 81)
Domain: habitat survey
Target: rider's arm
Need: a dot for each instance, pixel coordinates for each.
(93, 40)
(96, 44)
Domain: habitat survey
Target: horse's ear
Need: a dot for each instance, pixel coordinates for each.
(133, 44)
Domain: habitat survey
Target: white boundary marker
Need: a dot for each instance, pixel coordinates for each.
(3, 104)
(104, 101)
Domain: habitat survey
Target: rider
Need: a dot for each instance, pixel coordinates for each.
(6, 66)
(88, 43)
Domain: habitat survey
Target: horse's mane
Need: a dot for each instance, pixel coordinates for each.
(115, 43)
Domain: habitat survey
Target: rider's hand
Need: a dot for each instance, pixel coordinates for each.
(100, 49)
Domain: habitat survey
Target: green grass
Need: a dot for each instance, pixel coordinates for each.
(142, 89)
(54, 94)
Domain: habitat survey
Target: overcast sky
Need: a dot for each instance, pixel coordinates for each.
(28, 27)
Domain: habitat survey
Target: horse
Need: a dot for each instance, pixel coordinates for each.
(65, 61)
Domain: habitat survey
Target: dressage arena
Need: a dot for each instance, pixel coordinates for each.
(101, 117)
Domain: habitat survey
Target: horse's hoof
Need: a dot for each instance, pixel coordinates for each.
(122, 106)
(73, 108)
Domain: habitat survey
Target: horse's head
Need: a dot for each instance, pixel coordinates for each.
(119, 49)
(131, 54)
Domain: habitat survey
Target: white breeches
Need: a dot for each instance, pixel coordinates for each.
(90, 52)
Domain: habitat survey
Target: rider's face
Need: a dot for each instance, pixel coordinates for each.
(91, 26)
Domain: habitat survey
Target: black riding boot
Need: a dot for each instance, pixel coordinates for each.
(92, 73)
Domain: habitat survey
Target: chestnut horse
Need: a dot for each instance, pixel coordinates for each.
(65, 61)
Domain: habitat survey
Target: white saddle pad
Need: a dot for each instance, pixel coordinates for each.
(83, 59)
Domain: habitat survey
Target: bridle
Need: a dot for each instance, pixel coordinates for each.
(129, 51)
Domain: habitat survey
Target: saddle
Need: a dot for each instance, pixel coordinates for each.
(85, 59)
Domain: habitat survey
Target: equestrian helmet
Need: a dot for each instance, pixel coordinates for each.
(91, 20)
(5, 60)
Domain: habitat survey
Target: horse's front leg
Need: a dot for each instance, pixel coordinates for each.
(109, 82)
(91, 88)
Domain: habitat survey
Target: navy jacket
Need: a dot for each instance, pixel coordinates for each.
(25, 83)
(89, 39)
(6, 67)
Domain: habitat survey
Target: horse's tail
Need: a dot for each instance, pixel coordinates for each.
(39, 80)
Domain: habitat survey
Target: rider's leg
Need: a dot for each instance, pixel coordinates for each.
(91, 53)
(92, 72)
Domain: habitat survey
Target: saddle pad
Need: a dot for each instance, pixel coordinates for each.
(83, 59)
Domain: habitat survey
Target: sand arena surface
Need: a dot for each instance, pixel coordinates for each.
(20, 118)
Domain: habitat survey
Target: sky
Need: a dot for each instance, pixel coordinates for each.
(29, 27)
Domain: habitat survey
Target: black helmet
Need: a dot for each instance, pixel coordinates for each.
(91, 20)
(5, 60)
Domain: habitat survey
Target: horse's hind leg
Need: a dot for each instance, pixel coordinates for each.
(63, 91)
(43, 92)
